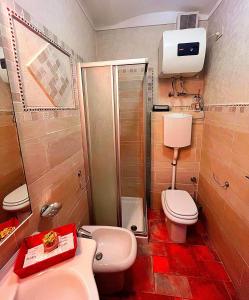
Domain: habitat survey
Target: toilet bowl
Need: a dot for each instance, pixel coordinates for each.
(181, 211)
(117, 246)
(17, 200)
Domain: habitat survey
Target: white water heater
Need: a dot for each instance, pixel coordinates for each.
(182, 52)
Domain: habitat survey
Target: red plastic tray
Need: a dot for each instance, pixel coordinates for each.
(36, 240)
(13, 222)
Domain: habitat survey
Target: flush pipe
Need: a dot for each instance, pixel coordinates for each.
(174, 163)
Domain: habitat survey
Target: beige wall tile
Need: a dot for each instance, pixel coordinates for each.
(62, 145)
(244, 284)
(239, 186)
(80, 212)
(156, 200)
(224, 152)
(35, 159)
(227, 59)
(240, 149)
(234, 263)
(237, 227)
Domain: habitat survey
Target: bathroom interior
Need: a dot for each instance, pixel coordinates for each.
(124, 141)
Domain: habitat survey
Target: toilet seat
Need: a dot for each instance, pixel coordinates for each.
(181, 216)
(180, 203)
(17, 199)
(179, 206)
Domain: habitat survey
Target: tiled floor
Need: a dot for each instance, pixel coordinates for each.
(164, 270)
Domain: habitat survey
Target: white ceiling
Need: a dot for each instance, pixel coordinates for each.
(108, 14)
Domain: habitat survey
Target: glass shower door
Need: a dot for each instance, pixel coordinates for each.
(132, 114)
(100, 114)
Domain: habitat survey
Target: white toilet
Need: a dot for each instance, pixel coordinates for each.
(178, 206)
(180, 211)
(17, 200)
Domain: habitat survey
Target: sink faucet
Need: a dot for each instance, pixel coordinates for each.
(83, 233)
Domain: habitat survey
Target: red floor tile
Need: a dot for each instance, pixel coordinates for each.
(152, 248)
(140, 277)
(158, 232)
(204, 253)
(182, 260)
(148, 296)
(204, 289)
(139, 296)
(213, 270)
(167, 271)
(161, 264)
(171, 285)
(194, 237)
(119, 297)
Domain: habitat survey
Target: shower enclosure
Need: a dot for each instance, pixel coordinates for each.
(114, 114)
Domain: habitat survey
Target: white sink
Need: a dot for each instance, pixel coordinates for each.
(118, 247)
(71, 279)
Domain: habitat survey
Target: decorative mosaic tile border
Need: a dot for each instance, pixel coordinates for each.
(48, 114)
(140, 70)
(150, 85)
(8, 11)
(131, 69)
(181, 108)
(215, 107)
(232, 108)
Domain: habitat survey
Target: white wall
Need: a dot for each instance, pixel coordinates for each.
(65, 19)
(227, 64)
(131, 43)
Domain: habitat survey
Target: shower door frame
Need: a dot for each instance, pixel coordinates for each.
(82, 88)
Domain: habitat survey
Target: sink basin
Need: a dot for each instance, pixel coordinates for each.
(117, 246)
(58, 285)
(71, 279)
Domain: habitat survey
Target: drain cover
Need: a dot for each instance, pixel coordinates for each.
(133, 227)
(99, 256)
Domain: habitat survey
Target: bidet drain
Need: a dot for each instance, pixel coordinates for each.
(99, 256)
(133, 227)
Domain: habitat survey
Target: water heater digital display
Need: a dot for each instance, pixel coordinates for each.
(186, 49)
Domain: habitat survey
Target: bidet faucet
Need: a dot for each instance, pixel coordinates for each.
(83, 233)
